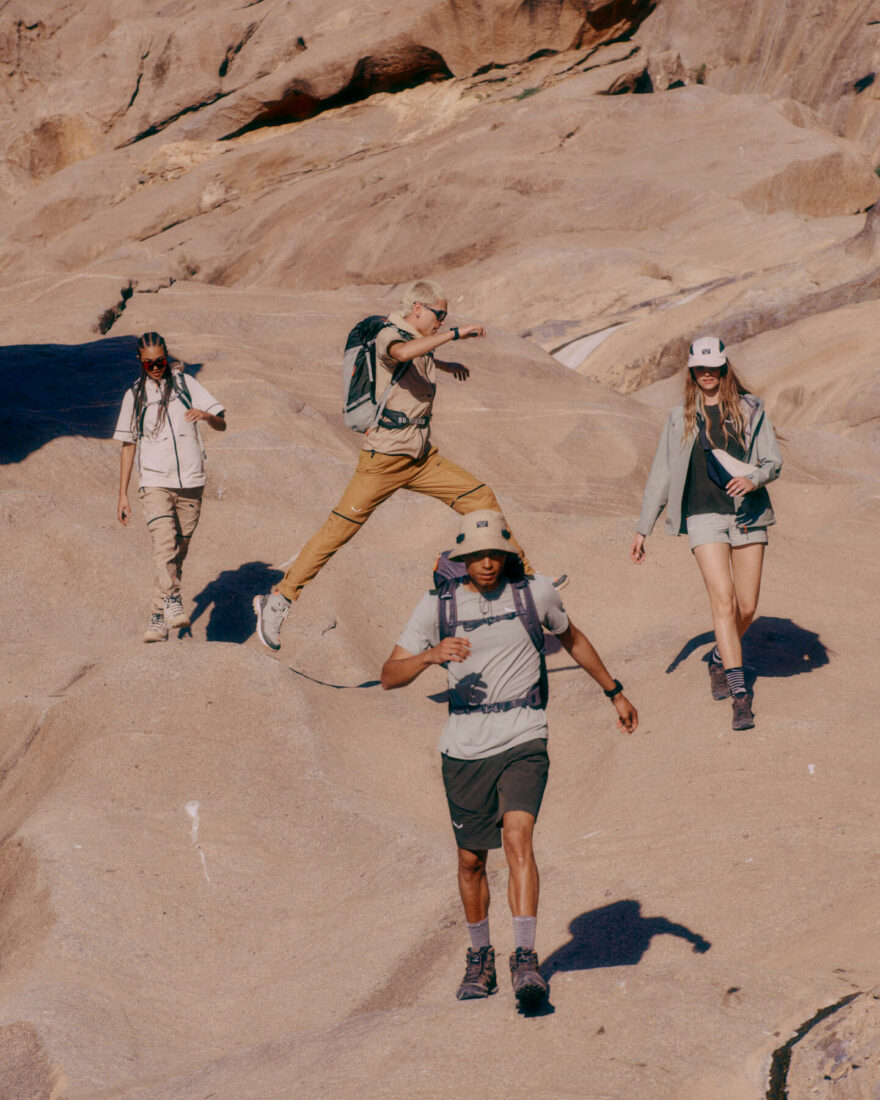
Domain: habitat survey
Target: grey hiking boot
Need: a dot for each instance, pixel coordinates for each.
(175, 616)
(271, 611)
(718, 681)
(529, 985)
(743, 719)
(157, 631)
(479, 976)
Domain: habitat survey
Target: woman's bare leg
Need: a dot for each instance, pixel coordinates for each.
(746, 563)
(713, 559)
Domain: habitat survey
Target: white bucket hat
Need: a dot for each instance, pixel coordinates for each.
(708, 351)
(481, 530)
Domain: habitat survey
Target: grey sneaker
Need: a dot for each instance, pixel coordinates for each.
(157, 631)
(561, 581)
(743, 719)
(718, 681)
(271, 611)
(175, 616)
(529, 985)
(479, 976)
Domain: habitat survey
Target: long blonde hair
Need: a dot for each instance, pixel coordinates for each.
(729, 405)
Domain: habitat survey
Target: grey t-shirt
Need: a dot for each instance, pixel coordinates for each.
(503, 665)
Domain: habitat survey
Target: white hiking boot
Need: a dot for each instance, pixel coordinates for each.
(271, 611)
(157, 631)
(175, 616)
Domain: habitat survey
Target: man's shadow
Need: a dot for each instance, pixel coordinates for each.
(771, 647)
(230, 597)
(52, 390)
(615, 935)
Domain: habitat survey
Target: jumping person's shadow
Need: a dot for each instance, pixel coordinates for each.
(615, 935)
(771, 647)
(230, 597)
(53, 390)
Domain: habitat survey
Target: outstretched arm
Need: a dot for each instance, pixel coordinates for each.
(402, 667)
(404, 350)
(581, 649)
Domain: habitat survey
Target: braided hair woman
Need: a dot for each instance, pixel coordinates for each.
(158, 424)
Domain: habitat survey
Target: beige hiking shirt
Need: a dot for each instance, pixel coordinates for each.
(413, 396)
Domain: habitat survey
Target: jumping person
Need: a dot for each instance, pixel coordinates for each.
(494, 743)
(159, 418)
(392, 457)
(715, 456)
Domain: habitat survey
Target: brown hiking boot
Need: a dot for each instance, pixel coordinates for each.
(743, 719)
(529, 986)
(718, 681)
(479, 976)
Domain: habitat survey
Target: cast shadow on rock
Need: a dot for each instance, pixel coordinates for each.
(771, 647)
(53, 390)
(615, 935)
(230, 597)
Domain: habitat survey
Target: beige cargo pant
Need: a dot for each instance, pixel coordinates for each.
(172, 515)
(376, 478)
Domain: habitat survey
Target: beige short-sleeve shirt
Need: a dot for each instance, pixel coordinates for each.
(413, 395)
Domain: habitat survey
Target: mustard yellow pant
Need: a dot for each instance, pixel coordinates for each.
(376, 478)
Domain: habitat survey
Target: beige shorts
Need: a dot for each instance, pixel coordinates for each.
(713, 527)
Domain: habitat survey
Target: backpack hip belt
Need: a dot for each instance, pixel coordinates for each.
(534, 699)
(390, 418)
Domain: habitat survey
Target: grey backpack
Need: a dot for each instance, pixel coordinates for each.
(361, 410)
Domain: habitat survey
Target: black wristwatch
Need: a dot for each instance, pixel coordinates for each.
(616, 690)
(454, 333)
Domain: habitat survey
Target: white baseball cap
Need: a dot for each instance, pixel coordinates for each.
(708, 351)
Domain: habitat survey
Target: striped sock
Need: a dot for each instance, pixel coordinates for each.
(736, 680)
(715, 657)
(479, 934)
(524, 932)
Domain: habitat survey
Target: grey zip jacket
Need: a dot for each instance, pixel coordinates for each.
(668, 476)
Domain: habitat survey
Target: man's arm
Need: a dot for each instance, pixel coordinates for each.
(581, 650)
(402, 667)
(405, 350)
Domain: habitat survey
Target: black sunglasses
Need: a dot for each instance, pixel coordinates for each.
(440, 314)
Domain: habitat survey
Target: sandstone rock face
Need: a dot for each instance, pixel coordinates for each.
(822, 54)
(228, 873)
(839, 1058)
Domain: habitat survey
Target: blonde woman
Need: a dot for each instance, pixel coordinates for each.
(717, 453)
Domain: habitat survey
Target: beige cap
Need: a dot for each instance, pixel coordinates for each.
(708, 351)
(481, 530)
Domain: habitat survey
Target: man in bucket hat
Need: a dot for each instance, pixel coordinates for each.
(481, 627)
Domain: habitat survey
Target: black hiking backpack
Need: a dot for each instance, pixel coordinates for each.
(360, 408)
(448, 576)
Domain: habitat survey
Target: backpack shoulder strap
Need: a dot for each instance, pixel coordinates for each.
(178, 384)
(447, 612)
(524, 601)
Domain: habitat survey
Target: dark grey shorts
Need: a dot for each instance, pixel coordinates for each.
(481, 792)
